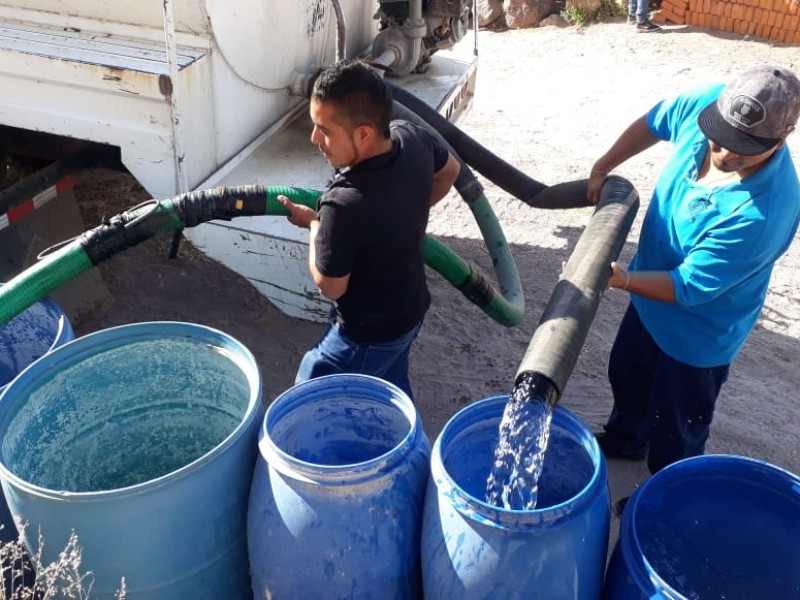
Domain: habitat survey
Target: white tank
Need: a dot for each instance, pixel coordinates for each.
(180, 86)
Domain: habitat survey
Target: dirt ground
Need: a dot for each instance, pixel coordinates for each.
(548, 101)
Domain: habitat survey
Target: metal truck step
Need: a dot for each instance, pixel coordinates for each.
(91, 49)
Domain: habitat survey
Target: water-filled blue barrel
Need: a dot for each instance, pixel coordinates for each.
(471, 549)
(31, 334)
(337, 493)
(714, 526)
(141, 439)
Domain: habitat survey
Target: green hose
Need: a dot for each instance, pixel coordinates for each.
(188, 210)
(40, 279)
(506, 307)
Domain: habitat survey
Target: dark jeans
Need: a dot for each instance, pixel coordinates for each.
(661, 405)
(337, 353)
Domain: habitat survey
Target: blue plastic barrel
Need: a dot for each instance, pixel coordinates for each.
(31, 334)
(472, 550)
(715, 526)
(28, 336)
(141, 439)
(337, 494)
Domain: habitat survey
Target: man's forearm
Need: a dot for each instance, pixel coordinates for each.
(653, 285)
(313, 228)
(332, 288)
(635, 139)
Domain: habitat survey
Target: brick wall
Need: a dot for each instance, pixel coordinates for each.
(777, 20)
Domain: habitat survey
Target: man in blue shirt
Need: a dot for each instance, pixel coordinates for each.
(726, 206)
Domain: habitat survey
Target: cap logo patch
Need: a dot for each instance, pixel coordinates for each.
(746, 111)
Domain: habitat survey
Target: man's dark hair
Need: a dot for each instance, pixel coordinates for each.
(358, 91)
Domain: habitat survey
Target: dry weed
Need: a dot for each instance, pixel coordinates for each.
(26, 578)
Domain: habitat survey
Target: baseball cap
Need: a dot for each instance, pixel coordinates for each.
(754, 111)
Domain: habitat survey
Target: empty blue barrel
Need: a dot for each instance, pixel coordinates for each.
(472, 550)
(28, 336)
(337, 494)
(142, 439)
(31, 334)
(715, 526)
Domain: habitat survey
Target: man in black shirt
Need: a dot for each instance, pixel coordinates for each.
(367, 235)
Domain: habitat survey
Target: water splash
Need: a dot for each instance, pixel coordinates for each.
(519, 456)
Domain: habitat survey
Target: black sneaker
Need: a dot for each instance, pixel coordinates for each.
(631, 20)
(647, 26)
(611, 452)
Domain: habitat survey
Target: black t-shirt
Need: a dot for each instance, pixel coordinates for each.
(372, 225)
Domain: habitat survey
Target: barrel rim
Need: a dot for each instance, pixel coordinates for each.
(108, 337)
(298, 469)
(640, 569)
(504, 518)
(64, 332)
(64, 326)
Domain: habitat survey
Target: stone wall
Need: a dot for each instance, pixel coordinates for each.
(514, 13)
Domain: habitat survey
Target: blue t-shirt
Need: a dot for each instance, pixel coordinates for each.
(718, 244)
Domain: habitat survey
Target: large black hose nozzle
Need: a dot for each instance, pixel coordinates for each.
(189, 209)
(135, 225)
(564, 324)
(225, 203)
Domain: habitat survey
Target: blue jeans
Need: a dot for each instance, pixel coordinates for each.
(659, 403)
(337, 353)
(639, 9)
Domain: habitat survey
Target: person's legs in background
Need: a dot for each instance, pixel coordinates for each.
(640, 9)
(632, 7)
